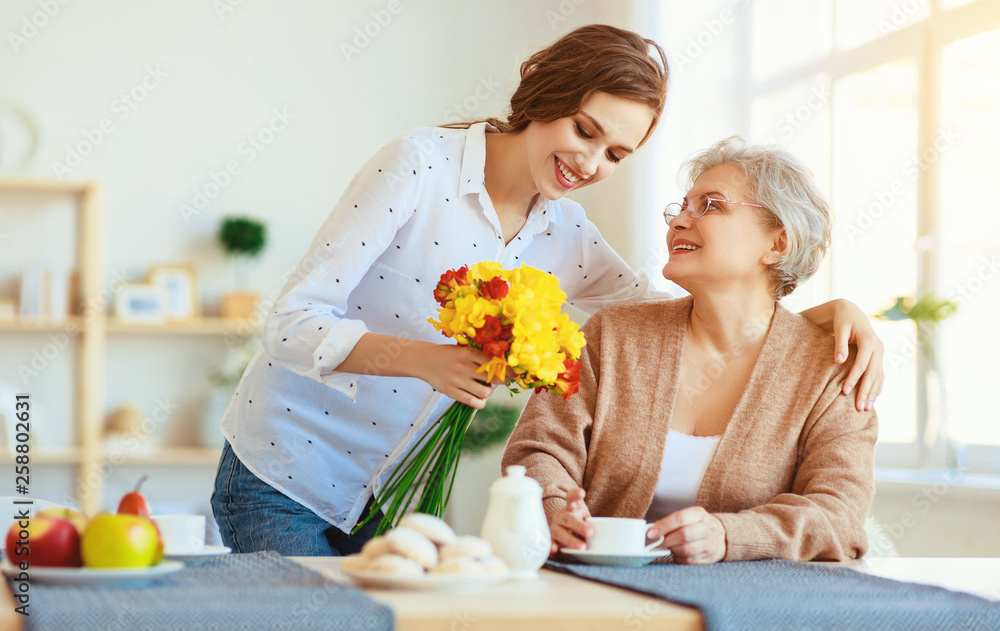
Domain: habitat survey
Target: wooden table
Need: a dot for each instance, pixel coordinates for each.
(559, 601)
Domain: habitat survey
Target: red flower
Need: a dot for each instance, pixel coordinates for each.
(568, 383)
(450, 281)
(495, 289)
(496, 349)
(490, 331)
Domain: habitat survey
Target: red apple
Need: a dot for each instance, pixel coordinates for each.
(44, 541)
(79, 519)
(133, 503)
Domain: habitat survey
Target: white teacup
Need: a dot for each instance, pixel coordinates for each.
(182, 534)
(619, 535)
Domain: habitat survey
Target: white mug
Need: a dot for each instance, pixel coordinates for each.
(619, 535)
(182, 534)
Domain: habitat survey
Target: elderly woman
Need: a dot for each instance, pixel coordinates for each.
(718, 416)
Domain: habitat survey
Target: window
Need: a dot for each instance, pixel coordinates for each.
(895, 105)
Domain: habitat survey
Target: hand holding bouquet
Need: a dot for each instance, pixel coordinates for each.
(515, 318)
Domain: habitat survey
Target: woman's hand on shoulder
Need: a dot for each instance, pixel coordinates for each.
(694, 536)
(852, 326)
(568, 527)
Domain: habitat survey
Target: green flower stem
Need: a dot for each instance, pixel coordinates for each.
(431, 463)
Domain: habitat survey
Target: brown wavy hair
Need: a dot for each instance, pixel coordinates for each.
(556, 81)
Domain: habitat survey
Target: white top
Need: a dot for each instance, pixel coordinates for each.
(419, 207)
(685, 460)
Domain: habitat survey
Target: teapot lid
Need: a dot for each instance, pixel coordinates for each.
(516, 482)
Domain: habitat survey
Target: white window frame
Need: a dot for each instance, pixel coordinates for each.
(924, 41)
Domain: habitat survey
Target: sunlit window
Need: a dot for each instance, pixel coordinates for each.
(861, 21)
(873, 257)
(780, 26)
(969, 229)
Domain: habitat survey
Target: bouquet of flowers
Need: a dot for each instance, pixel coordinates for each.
(515, 318)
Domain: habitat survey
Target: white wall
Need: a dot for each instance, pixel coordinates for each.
(163, 98)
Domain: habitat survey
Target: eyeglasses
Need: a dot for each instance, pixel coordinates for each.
(698, 206)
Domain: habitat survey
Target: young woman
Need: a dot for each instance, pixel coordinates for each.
(716, 415)
(351, 373)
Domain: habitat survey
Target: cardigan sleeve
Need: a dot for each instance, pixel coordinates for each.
(552, 436)
(823, 516)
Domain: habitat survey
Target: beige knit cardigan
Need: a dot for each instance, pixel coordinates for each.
(791, 477)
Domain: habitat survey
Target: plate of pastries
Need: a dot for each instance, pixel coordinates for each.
(423, 552)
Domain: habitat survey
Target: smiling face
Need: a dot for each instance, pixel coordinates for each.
(583, 149)
(730, 245)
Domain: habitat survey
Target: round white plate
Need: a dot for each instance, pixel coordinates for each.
(92, 576)
(429, 582)
(603, 558)
(207, 551)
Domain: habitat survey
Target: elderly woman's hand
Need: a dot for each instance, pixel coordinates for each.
(568, 527)
(694, 536)
(852, 326)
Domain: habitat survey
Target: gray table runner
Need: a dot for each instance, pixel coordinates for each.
(777, 594)
(262, 590)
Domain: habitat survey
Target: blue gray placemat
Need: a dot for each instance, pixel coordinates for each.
(778, 594)
(262, 590)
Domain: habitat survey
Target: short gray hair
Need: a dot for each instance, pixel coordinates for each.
(777, 180)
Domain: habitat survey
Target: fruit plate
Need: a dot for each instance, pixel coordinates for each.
(91, 576)
(441, 582)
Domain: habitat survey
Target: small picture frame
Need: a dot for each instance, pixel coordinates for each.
(180, 284)
(141, 303)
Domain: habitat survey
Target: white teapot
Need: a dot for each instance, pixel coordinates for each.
(515, 523)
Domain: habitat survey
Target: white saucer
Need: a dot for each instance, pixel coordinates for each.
(207, 551)
(605, 558)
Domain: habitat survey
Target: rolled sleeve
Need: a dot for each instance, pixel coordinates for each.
(308, 331)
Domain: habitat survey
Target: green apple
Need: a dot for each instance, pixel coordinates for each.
(79, 519)
(44, 541)
(121, 540)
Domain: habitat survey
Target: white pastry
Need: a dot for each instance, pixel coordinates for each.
(355, 563)
(413, 545)
(467, 546)
(467, 566)
(493, 564)
(434, 528)
(376, 547)
(395, 565)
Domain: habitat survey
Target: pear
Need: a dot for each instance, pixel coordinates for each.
(134, 503)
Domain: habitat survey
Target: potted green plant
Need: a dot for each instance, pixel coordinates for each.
(927, 313)
(242, 239)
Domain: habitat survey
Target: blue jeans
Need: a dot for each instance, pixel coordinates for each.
(253, 516)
